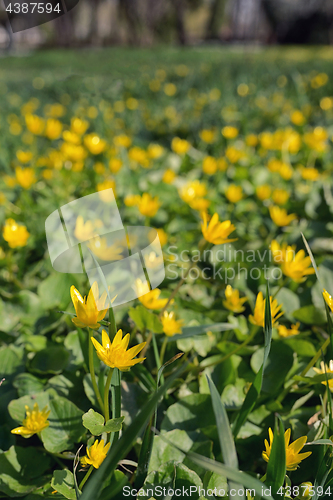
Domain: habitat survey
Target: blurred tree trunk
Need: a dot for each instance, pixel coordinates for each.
(64, 30)
(129, 9)
(94, 34)
(215, 19)
(179, 7)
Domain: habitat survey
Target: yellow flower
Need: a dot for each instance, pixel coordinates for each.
(122, 141)
(95, 144)
(233, 154)
(71, 137)
(101, 249)
(171, 325)
(328, 299)
(280, 196)
(35, 124)
(286, 171)
(170, 89)
(88, 310)
(310, 173)
(24, 156)
(326, 369)
(53, 128)
(263, 192)
(297, 117)
(229, 132)
(293, 455)
(251, 140)
(73, 152)
(149, 298)
(209, 165)
(200, 204)
(96, 454)
(168, 176)
(148, 205)
(25, 177)
(233, 302)
(281, 253)
(216, 232)
(139, 156)
(131, 200)
(34, 422)
(297, 267)
(191, 191)
(155, 151)
(105, 196)
(234, 193)
(280, 216)
(258, 317)
(16, 235)
(163, 237)
(180, 146)
(86, 230)
(285, 332)
(115, 165)
(115, 354)
(208, 135)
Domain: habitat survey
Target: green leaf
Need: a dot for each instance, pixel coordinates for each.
(21, 470)
(94, 422)
(63, 482)
(276, 467)
(27, 384)
(145, 320)
(192, 331)
(189, 413)
(310, 315)
(54, 290)
(50, 360)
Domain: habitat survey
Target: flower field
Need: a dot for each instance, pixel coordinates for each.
(202, 386)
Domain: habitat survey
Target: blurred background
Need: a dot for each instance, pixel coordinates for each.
(144, 23)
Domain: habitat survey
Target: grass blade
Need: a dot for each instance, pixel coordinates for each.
(255, 389)
(119, 450)
(311, 257)
(227, 444)
(276, 467)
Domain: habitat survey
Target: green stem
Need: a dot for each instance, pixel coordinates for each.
(86, 477)
(112, 325)
(92, 372)
(116, 401)
(162, 353)
(106, 395)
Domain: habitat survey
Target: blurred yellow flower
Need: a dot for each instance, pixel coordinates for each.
(73, 152)
(222, 164)
(280, 253)
(251, 140)
(233, 154)
(149, 298)
(234, 193)
(98, 245)
(280, 216)
(148, 205)
(163, 237)
(263, 192)
(53, 128)
(280, 196)
(86, 230)
(24, 156)
(285, 171)
(168, 176)
(71, 137)
(102, 186)
(115, 354)
(131, 200)
(170, 89)
(297, 117)
(192, 190)
(297, 266)
(216, 232)
(88, 310)
(171, 326)
(122, 141)
(25, 177)
(285, 332)
(293, 455)
(319, 80)
(34, 422)
(208, 135)
(232, 301)
(209, 165)
(180, 146)
(324, 368)
(35, 124)
(140, 156)
(95, 454)
(229, 132)
(95, 144)
(310, 173)
(15, 234)
(155, 151)
(258, 317)
(115, 165)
